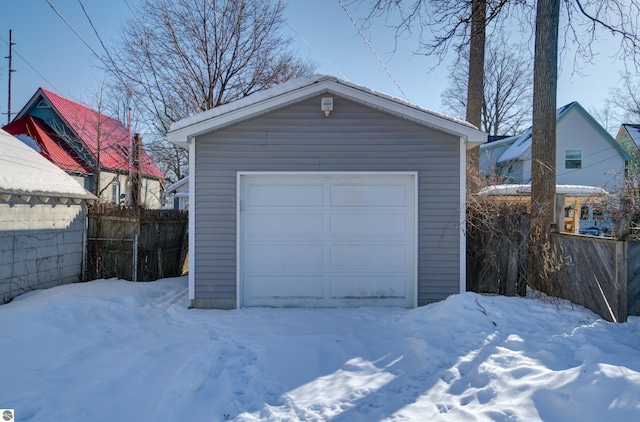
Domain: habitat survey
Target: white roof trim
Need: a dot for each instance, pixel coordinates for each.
(300, 89)
(177, 185)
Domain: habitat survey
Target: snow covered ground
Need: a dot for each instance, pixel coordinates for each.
(114, 350)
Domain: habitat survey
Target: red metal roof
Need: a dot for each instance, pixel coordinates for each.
(102, 134)
(52, 146)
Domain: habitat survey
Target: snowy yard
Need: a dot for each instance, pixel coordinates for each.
(114, 350)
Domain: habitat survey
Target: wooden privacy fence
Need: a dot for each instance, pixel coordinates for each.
(595, 274)
(497, 240)
(135, 244)
(598, 273)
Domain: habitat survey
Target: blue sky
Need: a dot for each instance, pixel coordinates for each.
(48, 54)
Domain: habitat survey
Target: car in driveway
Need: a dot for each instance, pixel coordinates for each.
(591, 231)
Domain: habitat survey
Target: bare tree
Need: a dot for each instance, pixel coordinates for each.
(176, 58)
(172, 160)
(451, 23)
(93, 126)
(543, 145)
(507, 99)
(608, 115)
(625, 97)
(583, 20)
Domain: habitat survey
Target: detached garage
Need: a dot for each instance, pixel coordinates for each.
(323, 193)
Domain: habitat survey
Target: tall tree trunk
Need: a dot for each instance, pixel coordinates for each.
(475, 86)
(543, 145)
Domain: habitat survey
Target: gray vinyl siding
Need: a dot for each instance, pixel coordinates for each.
(353, 138)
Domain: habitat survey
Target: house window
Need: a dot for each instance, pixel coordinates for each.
(115, 193)
(573, 159)
(43, 104)
(585, 213)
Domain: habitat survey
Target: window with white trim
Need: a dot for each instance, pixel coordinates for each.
(115, 193)
(573, 159)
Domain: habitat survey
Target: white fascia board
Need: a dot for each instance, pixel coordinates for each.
(177, 185)
(181, 132)
(184, 130)
(468, 133)
(192, 224)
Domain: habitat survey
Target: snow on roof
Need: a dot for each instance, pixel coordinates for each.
(50, 145)
(523, 142)
(25, 171)
(291, 91)
(569, 190)
(500, 142)
(517, 148)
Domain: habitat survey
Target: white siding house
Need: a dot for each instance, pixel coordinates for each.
(42, 221)
(585, 153)
(321, 192)
(178, 194)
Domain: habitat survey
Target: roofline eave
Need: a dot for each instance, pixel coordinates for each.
(187, 129)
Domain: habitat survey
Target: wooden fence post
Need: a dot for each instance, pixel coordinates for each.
(559, 213)
(134, 271)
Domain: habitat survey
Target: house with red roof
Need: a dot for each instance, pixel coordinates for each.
(96, 150)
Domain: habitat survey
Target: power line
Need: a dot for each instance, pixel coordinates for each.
(95, 31)
(373, 50)
(112, 66)
(31, 66)
(129, 6)
(316, 50)
(75, 32)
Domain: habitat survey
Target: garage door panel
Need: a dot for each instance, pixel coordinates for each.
(359, 195)
(283, 194)
(327, 239)
(282, 286)
(369, 286)
(284, 226)
(284, 257)
(391, 257)
(370, 226)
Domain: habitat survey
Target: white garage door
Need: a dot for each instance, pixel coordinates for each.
(327, 239)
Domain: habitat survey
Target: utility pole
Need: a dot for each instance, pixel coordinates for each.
(11, 70)
(136, 188)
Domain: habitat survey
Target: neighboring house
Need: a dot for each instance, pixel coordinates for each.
(75, 137)
(42, 221)
(629, 137)
(179, 193)
(583, 210)
(321, 192)
(586, 154)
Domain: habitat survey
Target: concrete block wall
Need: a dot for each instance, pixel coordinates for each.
(40, 246)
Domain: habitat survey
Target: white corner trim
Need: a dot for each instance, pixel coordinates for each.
(192, 222)
(416, 236)
(239, 228)
(463, 216)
